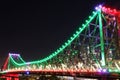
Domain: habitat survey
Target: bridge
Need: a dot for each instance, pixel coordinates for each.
(93, 51)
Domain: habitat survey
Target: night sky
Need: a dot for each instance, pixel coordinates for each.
(36, 29)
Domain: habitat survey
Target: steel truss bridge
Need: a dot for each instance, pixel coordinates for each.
(92, 51)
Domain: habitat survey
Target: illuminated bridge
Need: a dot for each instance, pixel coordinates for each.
(92, 51)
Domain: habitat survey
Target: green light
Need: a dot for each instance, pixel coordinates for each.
(77, 32)
(94, 12)
(79, 28)
(116, 70)
(63, 46)
(55, 52)
(83, 25)
(21, 59)
(86, 21)
(90, 17)
(74, 35)
(60, 49)
(101, 38)
(14, 62)
(110, 70)
(68, 41)
(71, 38)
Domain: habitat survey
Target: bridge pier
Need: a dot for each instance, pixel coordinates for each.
(10, 77)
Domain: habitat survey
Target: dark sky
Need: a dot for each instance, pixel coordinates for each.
(35, 29)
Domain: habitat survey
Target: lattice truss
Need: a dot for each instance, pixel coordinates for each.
(85, 49)
(9, 61)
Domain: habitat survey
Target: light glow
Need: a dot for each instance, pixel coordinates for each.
(61, 48)
(109, 11)
(98, 7)
(44, 65)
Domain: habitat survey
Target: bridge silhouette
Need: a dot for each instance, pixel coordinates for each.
(92, 51)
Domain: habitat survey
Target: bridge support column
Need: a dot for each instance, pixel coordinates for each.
(16, 78)
(101, 39)
(10, 77)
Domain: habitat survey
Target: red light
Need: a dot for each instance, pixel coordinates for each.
(110, 11)
(114, 10)
(103, 8)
